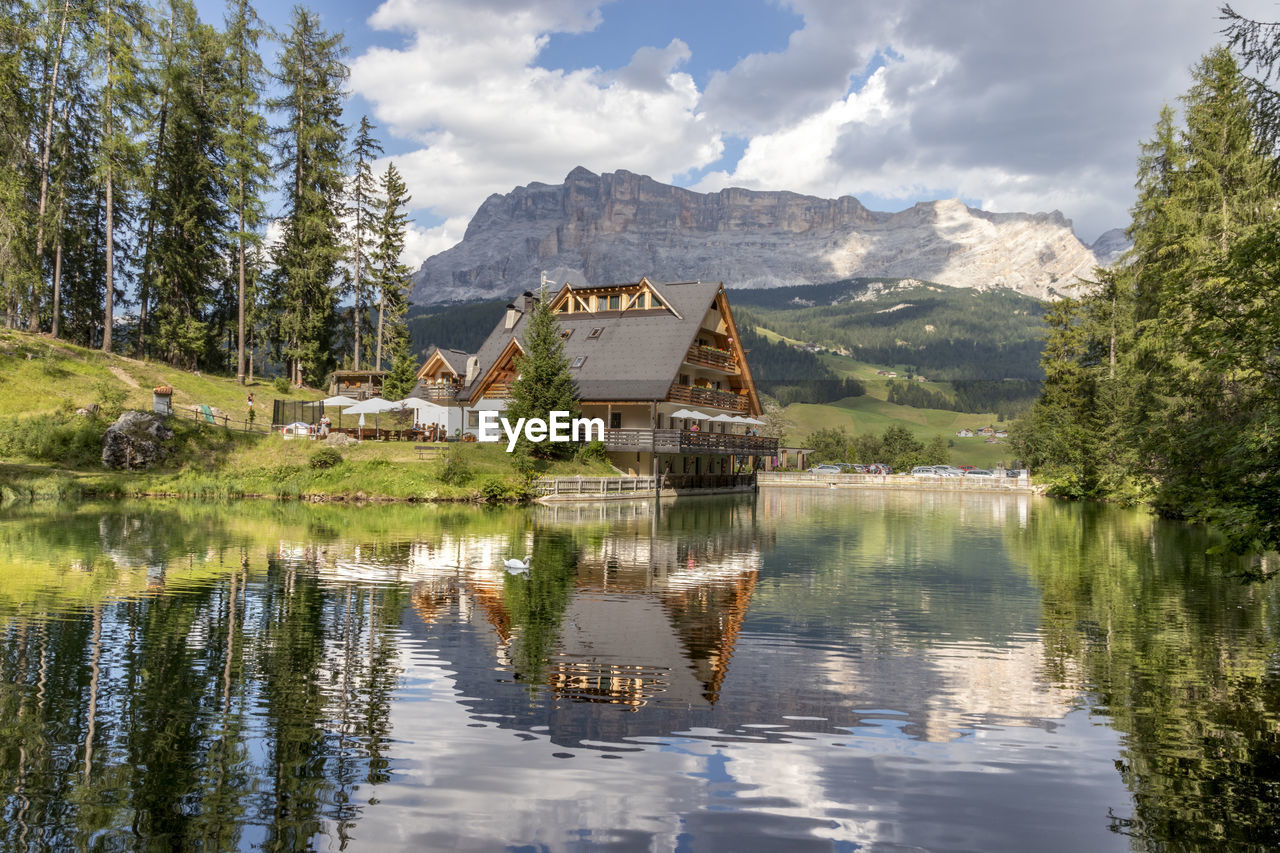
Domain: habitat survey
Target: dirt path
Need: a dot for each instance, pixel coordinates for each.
(124, 377)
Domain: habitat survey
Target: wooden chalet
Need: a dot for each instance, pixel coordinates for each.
(356, 384)
(443, 375)
(641, 354)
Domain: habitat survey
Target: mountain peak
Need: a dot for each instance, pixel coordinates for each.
(618, 226)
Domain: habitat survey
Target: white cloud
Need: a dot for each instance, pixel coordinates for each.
(489, 119)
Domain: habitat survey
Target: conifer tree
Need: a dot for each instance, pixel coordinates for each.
(389, 275)
(364, 191)
(121, 32)
(246, 145)
(307, 259)
(545, 383)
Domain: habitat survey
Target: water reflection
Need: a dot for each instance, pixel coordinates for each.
(802, 670)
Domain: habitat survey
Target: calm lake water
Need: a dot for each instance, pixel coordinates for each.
(791, 671)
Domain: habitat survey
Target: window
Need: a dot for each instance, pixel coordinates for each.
(578, 362)
(684, 379)
(595, 333)
(563, 309)
(642, 300)
(566, 333)
(473, 419)
(615, 302)
(615, 420)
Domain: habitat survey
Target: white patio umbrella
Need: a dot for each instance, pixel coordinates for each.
(374, 406)
(339, 402)
(749, 420)
(424, 411)
(689, 413)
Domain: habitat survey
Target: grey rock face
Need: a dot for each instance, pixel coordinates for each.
(1110, 246)
(136, 440)
(601, 229)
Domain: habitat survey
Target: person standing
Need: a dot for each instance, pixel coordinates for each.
(250, 404)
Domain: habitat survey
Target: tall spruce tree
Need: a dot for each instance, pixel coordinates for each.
(544, 383)
(186, 255)
(311, 141)
(364, 196)
(388, 273)
(120, 34)
(247, 149)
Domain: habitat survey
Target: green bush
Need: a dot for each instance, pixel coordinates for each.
(66, 439)
(592, 451)
(281, 384)
(494, 489)
(325, 457)
(454, 471)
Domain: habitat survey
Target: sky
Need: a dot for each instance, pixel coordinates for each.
(1010, 105)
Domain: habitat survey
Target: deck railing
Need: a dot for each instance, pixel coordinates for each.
(686, 441)
(717, 359)
(710, 397)
(442, 393)
(588, 487)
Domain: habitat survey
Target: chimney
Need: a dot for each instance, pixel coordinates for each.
(473, 367)
(528, 301)
(513, 314)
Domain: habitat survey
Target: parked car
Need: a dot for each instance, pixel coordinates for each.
(924, 471)
(947, 471)
(1015, 472)
(879, 468)
(978, 472)
(825, 469)
(967, 467)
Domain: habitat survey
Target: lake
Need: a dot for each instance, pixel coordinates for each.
(794, 670)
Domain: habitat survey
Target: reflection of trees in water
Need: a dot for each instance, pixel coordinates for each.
(1183, 657)
(244, 711)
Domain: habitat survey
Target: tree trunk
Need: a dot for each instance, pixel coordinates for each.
(382, 304)
(240, 297)
(33, 322)
(111, 284)
(57, 283)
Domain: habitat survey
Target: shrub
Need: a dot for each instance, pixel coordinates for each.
(110, 398)
(494, 489)
(454, 471)
(593, 452)
(325, 457)
(69, 440)
(281, 384)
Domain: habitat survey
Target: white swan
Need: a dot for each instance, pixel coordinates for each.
(517, 567)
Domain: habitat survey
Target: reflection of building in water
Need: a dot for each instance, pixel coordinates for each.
(647, 615)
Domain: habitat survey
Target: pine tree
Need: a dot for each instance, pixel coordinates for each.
(544, 383)
(364, 190)
(121, 33)
(388, 273)
(186, 256)
(18, 279)
(307, 259)
(246, 146)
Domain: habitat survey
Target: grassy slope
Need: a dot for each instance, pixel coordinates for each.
(872, 413)
(210, 461)
(60, 374)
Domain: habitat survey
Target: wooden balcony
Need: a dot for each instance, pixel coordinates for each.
(440, 393)
(708, 397)
(716, 359)
(685, 441)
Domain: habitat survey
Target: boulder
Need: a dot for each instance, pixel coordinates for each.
(136, 440)
(338, 439)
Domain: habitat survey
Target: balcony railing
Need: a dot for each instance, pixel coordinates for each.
(696, 396)
(717, 359)
(441, 393)
(686, 441)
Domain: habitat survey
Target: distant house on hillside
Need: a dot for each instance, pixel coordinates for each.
(661, 364)
(356, 384)
(965, 433)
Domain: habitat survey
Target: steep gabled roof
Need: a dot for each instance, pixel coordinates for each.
(454, 359)
(635, 356)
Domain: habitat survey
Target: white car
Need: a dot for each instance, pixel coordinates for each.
(924, 471)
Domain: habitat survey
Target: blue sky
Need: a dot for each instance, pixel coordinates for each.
(1008, 104)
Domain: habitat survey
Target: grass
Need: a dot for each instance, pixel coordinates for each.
(870, 414)
(43, 375)
(50, 452)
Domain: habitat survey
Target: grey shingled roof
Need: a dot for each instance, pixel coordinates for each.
(456, 359)
(637, 354)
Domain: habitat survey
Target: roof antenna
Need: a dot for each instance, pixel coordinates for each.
(542, 288)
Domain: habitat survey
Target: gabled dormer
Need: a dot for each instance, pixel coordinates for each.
(613, 298)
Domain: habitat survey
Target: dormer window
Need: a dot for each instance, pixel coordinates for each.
(578, 362)
(615, 302)
(595, 333)
(565, 334)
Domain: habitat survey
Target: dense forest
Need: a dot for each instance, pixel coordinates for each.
(1163, 384)
(144, 152)
(457, 326)
(946, 333)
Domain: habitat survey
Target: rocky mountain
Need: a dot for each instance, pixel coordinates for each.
(1110, 246)
(599, 229)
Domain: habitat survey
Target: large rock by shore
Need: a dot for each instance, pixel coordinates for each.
(136, 440)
